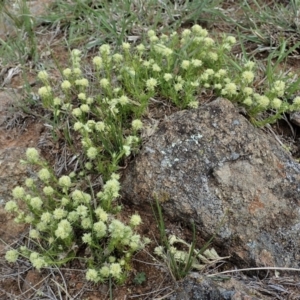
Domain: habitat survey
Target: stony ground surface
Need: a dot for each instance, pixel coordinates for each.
(18, 131)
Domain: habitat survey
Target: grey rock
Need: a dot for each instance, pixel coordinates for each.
(212, 166)
(202, 288)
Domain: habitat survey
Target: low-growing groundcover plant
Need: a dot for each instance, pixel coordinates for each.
(104, 109)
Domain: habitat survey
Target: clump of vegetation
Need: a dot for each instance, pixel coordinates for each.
(64, 218)
(105, 111)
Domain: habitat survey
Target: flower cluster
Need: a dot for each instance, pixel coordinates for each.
(60, 209)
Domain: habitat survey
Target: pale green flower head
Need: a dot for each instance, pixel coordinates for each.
(29, 219)
(82, 210)
(97, 61)
(67, 72)
(116, 229)
(115, 270)
(12, 256)
(77, 126)
(65, 201)
(195, 83)
(153, 39)
(42, 226)
(178, 87)
(146, 63)
(87, 238)
(197, 29)
(126, 46)
(141, 48)
(100, 126)
(81, 96)
(101, 214)
(226, 46)
(127, 150)
(44, 175)
(209, 72)
(11, 206)
(104, 272)
(263, 101)
(104, 83)
(279, 87)
(186, 33)
(248, 91)
(91, 123)
(231, 40)
(112, 187)
(86, 223)
(84, 108)
(208, 42)
(18, 192)
(92, 153)
(89, 100)
(88, 165)
(76, 112)
(123, 100)
(137, 124)
(248, 101)
(59, 213)
(168, 77)
(77, 71)
(249, 65)
(104, 49)
(213, 56)
(46, 217)
(100, 229)
(196, 63)
(156, 68)
(151, 83)
(57, 101)
(66, 85)
(218, 86)
(296, 101)
(36, 203)
(38, 262)
(65, 181)
(159, 251)
(76, 52)
(135, 220)
(248, 76)
(230, 89)
(43, 76)
(29, 182)
(131, 139)
(112, 259)
(48, 190)
(220, 73)
(92, 275)
(64, 229)
(193, 104)
(151, 33)
(180, 256)
(73, 216)
(34, 234)
(32, 155)
(82, 82)
(117, 58)
(20, 218)
(45, 91)
(276, 103)
(185, 64)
